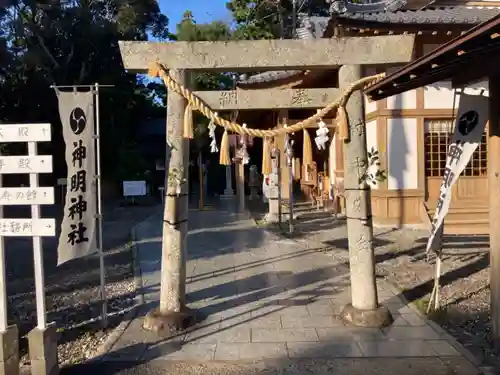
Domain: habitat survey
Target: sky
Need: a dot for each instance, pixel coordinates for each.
(203, 10)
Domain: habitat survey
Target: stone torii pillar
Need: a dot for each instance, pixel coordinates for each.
(364, 310)
(172, 315)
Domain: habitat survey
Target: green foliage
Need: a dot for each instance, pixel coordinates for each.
(131, 165)
(267, 19)
(75, 42)
(188, 30)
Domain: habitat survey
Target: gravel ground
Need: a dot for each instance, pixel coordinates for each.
(400, 255)
(72, 290)
(464, 293)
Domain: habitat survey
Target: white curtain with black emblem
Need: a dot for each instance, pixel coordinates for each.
(77, 238)
(469, 128)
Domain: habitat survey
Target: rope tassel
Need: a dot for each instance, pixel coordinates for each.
(188, 122)
(267, 167)
(224, 156)
(342, 123)
(307, 149)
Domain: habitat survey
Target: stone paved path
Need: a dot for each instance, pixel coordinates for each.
(272, 306)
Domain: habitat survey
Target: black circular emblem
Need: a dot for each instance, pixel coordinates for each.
(77, 120)
(467, 122)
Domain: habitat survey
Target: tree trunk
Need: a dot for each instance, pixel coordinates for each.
(358, 200)
(175, 216)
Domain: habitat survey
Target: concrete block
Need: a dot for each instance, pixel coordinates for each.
(411, 333)
(250, 351)
(284, 335)
(443, 348)
(265, 321)
(209, 335)
(43, 351)
(414, 320)
(9, 355)
(321, 307)
(323, 350)
(317, 321)
(187, 352)
(349, 334)
(400, 348)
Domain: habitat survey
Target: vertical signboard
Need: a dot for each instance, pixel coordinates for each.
(77, 238)
(34, 196)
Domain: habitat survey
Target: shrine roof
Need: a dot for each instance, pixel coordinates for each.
(390, 13)
(432, 15)
(458, 59)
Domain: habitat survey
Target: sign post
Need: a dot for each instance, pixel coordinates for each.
(43, 338)
(134, 189)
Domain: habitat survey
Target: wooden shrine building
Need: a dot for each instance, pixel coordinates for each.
(473, 57)
(411, 129)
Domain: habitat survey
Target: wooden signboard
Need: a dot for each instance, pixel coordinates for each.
(25, 164)
(25, 133)
(25, 196)
(27, 227)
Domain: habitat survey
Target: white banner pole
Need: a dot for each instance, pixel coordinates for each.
(3, 280)
(104, 301)
(37, 253)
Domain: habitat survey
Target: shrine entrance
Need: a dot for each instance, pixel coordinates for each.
(346, 102)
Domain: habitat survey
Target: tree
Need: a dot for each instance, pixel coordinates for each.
(189, 31)
(268, 19)
(75, 43)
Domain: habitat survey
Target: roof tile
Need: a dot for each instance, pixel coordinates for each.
(315, 27)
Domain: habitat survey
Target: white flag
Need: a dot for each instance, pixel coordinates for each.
(77, 238)
(469, 127)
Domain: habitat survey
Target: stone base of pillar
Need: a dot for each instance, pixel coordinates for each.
(272, 218)
(380, 317)
(169, 324)
(254, 195)
(228, 193)
(285, 216)
(43, 351)
(273, 215)
(9, 351)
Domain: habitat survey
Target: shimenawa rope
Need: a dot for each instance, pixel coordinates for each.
(196, 103)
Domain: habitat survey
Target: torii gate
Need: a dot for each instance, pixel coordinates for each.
(239, 56)
(270, 99)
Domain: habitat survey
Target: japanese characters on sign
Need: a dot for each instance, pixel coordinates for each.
(14, 133)
(25, 133)
(25, 164)
(27, 227)
(77, 238)
(455, 152)
(26, 196)
(471, 122)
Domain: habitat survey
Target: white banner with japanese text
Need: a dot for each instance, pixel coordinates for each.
(471, 121)
(77, 238)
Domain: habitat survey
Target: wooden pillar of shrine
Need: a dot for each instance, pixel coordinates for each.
(494, 203)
